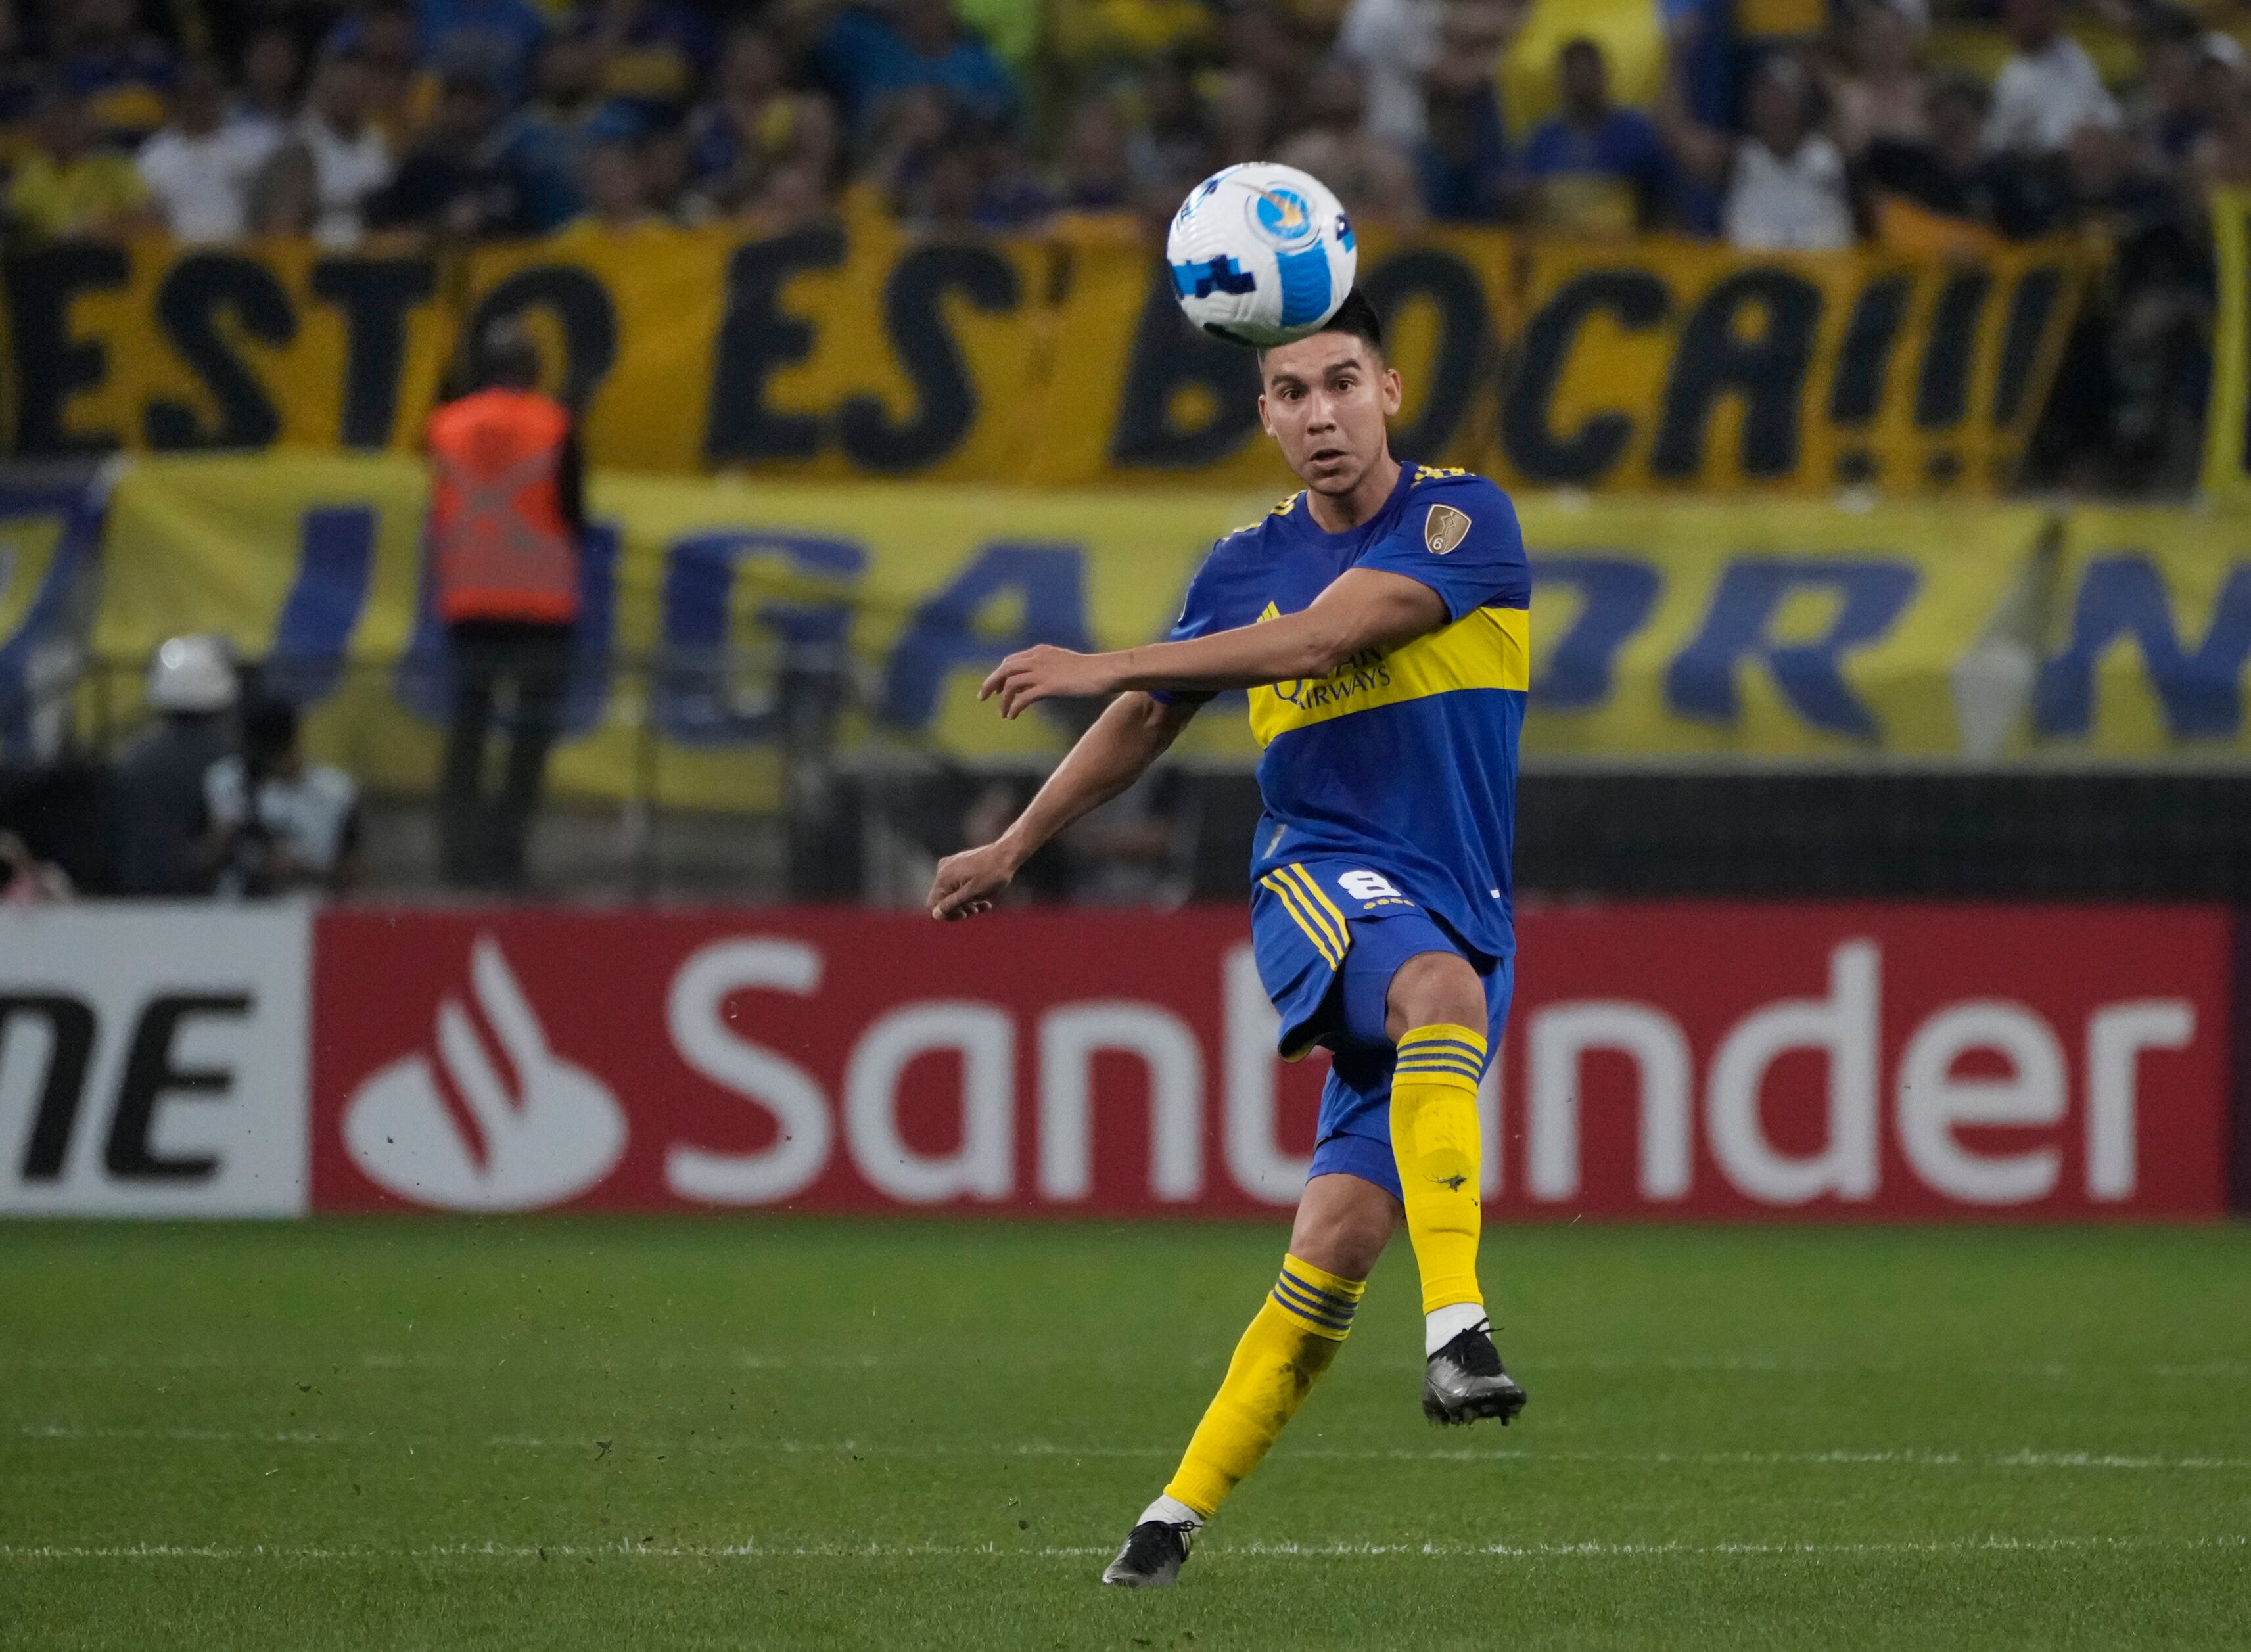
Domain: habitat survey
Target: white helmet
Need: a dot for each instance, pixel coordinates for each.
(191, 673)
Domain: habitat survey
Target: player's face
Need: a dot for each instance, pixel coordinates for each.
(1325, 400)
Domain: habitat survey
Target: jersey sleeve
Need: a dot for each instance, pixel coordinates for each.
(1200, 614)
(1461, 539)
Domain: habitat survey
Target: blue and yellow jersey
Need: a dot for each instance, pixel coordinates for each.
(1404, 758)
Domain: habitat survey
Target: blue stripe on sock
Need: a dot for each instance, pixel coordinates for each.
(1336, 1319)
(1335, 1300)
(1315, 1299)
(1451, 1069)
(1309, 1317)
(1435, 1046)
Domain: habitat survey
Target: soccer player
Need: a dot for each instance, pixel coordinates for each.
(1379, 621)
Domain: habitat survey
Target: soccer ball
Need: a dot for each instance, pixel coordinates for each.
(1261, 255)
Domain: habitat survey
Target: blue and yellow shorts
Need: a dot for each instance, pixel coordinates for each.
(1329, 976)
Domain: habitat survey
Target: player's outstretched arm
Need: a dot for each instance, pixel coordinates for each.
(1132, 733)
(1364, 608)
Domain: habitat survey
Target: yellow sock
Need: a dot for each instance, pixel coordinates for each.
(1299, 1329)
(1434, 1135)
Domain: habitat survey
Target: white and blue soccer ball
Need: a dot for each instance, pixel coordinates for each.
(1261, 255)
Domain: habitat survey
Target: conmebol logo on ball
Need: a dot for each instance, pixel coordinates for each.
(1261, 255)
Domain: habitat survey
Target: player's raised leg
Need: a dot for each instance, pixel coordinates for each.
(1341, 1227)
(1436, 1015)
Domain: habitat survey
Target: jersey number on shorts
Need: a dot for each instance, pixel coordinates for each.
(1368, 886)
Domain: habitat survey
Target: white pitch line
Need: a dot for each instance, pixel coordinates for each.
(753, 1550)
(1832, 1458)
(1704, 1364)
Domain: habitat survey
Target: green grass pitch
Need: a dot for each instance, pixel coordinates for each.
(763, 1434)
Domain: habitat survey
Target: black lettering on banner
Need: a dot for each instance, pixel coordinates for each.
(70, 1045)
(1863, 364)
(194, 292)
(2032, 307)
(1639, 302)
(376, 296)
(150, 1077)
(50, 365)
(1453, 289)
(1172, 358)
(1714, 359)
(945, 399)
(1942, 393)
(1865, 358)
(756, 339)
(580, 306)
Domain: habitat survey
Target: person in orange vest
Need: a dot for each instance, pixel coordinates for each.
(507, 514)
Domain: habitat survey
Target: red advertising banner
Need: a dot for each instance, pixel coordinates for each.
(1685, 1060)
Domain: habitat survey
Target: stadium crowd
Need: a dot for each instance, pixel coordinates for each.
(1770, 123)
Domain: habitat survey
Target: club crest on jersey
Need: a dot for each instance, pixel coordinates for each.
(1445, 528)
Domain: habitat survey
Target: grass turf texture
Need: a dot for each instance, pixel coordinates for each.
(571, 1434)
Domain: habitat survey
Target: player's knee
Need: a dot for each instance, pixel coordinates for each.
(1343, 1224)
(1433, 989)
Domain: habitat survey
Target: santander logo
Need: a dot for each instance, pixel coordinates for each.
(471, 1139)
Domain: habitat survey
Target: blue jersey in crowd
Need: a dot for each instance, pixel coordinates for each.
(1402, 759)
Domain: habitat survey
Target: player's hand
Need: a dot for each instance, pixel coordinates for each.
(1046, 672)
(970, 882)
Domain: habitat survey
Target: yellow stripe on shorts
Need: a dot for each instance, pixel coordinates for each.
(1289, 900)
(1339, 933)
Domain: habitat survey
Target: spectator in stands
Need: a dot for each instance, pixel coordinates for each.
(459, 182)
(350, 161)
(1881, 94)
(1012, 198)
(794, 197)
(754, 123)
(20, 75)
(1097, 174)
(1784, 187)
(507, 512)
(1464, 154)
(1396, 45)
(156, 809)
(867, 54)
(1593, 168)
(494, 38)
(266, 101)
(285, 195)
(911, 126)
(25, 880)
(124, 75)
(279, 824)
(617, 202)
(198, 169)
(665, 171)
(1373, 181)
(1951, 174)
(549, 141)
(2172, 108)
(943, 198)
(2048, 88)
(653, 54)
(66, 186)
(401, 93)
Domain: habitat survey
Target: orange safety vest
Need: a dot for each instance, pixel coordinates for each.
(502, 548)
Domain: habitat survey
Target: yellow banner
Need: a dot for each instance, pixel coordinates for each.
(2149, 635)
(2227, 413)
(1785, 630)
(1788, 630)
(151, 347)
(859, 351)
(1683, 365)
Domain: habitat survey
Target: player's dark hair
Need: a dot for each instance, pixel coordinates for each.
(1356, 316)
